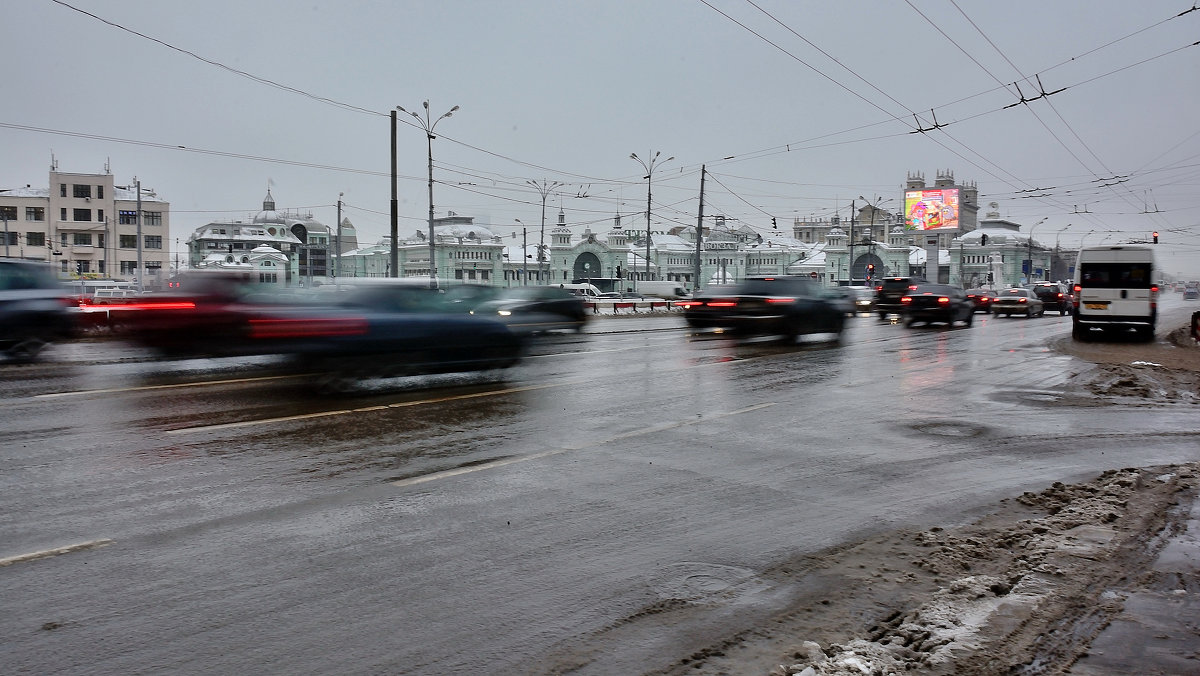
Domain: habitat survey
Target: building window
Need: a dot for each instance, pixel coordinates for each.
(99, 192)
(8, 213)
(62, 189)
(35, 213)
(62, 214)
(79, 215)
(63, 238)
(128, 267)
(128, 242)
(11, 238)
(125, 217)
(82, 190)
(83, 266)
(153, 242)
(82, 239)
(100, 267)
(100, 241)
(35, 239)
(100, 215)
(154, 267)
(151, 218)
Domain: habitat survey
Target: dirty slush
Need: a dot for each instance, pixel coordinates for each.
(1028, 589)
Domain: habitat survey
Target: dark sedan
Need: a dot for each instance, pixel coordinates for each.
(535, 309)
(34, 309)
(1054, 296)
(366, 329)
(981, 299)
(785, 306)
(937, 303)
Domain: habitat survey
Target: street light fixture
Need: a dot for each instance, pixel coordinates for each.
(427, 124)
(543, 189)
(649, 167)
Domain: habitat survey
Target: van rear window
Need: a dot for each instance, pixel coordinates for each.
(1115, 275)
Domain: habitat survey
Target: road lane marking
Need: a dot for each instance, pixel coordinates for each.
(458, 471)
(140, 388)
(367, 409)
(46, 553)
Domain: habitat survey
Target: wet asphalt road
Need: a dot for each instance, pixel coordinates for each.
(531, 522)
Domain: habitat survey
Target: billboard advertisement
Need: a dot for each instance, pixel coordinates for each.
(931, 209)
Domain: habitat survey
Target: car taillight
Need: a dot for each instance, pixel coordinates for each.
(175, 305)
(307, 327)
(906, 299)
(879, 288)
(722, 303)
(943, 300)
(1153, 296)
(912, 288)
(780, 301)
(1075, 291)
(688, 303)
(1021, 300)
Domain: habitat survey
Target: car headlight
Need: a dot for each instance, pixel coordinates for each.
(504, 313)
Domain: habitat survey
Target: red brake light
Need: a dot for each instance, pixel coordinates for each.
(307, 327)
(1021, 300)
(780, 301)
(906, 299)
(943, 300)
(913, 287)
(174, 305)
(721, 303)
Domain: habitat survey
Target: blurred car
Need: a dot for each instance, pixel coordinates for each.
(785, 306)
(1191, 293)
(704, 309)
(888, 293)
(536, 309)
(35, 309)
(981, 299)
(855, 298)
(364, 329)
(1010, 302)
(1054, 296)
(941, 303)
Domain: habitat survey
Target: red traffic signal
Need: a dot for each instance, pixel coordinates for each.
(1156, 237)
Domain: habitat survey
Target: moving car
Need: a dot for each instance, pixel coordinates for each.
(536, 309)
(376, 328)
(1054, 296)
(1015, 301)
(941, 303)
(1114, 292)
(34, 309)
(888, 293)
(1191, 293)
(785, 306)
(705, 309)
(981, 299)
(855, 298)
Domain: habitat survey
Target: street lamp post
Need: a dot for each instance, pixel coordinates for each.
(544, 188)
(427, 124)
(337, 239)
(649, 167)
(1029, 279)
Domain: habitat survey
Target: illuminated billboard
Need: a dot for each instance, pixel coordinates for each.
(931, 209)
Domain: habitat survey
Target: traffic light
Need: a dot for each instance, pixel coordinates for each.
(870, 270)
(1156, 237)
(773, 226)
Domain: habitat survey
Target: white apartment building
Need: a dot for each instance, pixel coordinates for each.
(87, 227)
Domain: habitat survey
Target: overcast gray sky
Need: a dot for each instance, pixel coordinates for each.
(795, 107)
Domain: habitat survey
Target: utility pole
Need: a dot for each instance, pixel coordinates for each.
(699, 235)
(543, 189)
(428, 124)
(850, 265)
(394, 266)
(337, 239)
(140, 272)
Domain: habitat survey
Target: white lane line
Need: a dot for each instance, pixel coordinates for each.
(46, 553)
(458, 471)
(142, 388)
(367, 409)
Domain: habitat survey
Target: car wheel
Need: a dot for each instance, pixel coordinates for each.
(27, 350)
(970, 319)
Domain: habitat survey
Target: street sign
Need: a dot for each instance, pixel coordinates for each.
(813, 275)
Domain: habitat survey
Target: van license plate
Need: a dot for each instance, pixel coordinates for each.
(1096, 306)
